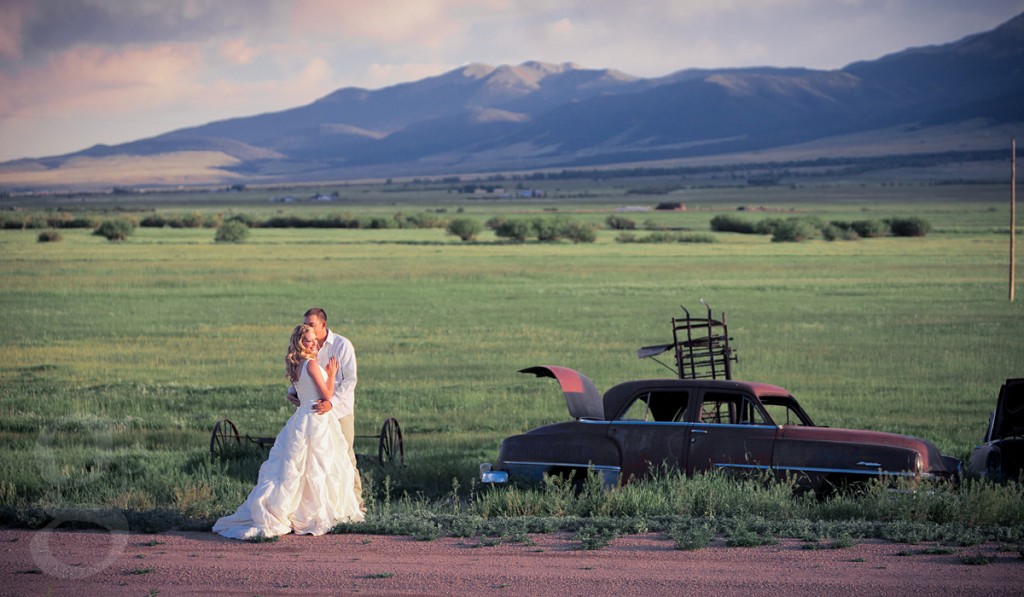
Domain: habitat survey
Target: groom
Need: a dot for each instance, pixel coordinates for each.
(343, 402)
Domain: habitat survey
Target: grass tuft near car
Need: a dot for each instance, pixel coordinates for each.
(1001, 457)
(695, 425)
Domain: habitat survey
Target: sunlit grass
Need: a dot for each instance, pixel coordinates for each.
(119, 357)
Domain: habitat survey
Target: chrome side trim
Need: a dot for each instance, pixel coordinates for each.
(596, 467)
(680, 423)
(808, 469)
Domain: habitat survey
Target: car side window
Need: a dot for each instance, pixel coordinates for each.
(658, 406)
(783, 414)
(730, 409)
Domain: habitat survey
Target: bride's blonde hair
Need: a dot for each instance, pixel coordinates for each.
(296, 354)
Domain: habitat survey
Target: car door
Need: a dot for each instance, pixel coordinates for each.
(730, 432)
(651, 432)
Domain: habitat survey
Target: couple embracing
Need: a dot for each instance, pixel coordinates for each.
(309, 482)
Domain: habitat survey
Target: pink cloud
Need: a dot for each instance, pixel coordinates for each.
(237, 51)
(423, 22)
(13, 14)
(90, 78)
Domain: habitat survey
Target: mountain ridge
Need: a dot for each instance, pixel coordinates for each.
(533, 115)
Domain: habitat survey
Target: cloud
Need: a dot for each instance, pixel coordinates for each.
(238, 52)
(421, 23)
(57, 25)
(182, 62)
(90, 78)
(13, 15)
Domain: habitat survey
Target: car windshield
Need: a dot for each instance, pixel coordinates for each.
(784, 410)
(657, 406)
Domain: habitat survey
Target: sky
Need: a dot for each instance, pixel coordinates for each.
(75, 73)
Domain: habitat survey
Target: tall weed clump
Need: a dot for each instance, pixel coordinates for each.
(232, 231)
(909, 226)
(732, 223)
(115, 230)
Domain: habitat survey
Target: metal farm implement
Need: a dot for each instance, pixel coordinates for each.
(390, 445)
(700, 346)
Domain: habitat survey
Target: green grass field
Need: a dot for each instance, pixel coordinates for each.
(118, 358)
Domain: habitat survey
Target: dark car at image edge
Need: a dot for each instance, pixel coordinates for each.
(1000, 457)
(697, 425)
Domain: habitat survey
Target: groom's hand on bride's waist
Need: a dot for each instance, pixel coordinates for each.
(322, 406)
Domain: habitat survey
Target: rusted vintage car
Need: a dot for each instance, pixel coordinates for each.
(695, 425)
(1001, 456)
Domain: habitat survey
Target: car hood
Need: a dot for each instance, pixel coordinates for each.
(863, 437)
(582, 398)
(1008, 418)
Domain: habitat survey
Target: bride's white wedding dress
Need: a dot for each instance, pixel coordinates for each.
(306, 484)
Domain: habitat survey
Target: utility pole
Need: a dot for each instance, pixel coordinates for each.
(1013, 211)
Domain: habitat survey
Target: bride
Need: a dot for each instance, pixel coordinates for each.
(306, 485)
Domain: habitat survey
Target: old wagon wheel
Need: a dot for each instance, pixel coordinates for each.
(224, 435)
(391, 445)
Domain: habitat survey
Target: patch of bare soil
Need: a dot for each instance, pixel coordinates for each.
(59, 562)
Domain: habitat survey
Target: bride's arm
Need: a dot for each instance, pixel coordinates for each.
(325, 387)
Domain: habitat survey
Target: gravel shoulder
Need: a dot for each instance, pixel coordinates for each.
(61, 562)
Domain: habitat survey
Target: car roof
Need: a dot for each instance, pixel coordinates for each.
(586, 402)
(616, 396)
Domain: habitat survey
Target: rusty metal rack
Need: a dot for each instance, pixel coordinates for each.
(700, 346)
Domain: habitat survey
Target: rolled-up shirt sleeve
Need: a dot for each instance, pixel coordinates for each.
(343, 400)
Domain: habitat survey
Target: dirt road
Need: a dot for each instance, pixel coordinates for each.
(193, 563)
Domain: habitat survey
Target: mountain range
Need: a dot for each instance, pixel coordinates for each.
(482, 118)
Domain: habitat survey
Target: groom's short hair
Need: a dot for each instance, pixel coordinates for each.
(318, 313)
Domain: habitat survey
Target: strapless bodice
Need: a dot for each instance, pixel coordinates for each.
(306, 388)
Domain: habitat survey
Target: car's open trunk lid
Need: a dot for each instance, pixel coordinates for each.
(582, 398)
(1008, 419)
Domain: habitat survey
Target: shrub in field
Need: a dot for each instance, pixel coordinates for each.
(616, 222)
(64, 219)
(794, 230)
(153, 221)
(465, 228)
(232, 231)
(909, 227)
(696, 238)
(115, 230)
(870, 228)
(517, 230)
(578, 233)
(378, 224)
(660, 237)
(421, 220)
(22, 221)
(243, 218)
(731, 223)
(768, 226)
(192, 220)
(546, 230)
(625, 237)
(49, 236)
(832, 232)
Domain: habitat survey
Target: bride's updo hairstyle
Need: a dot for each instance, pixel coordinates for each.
(296, 354)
